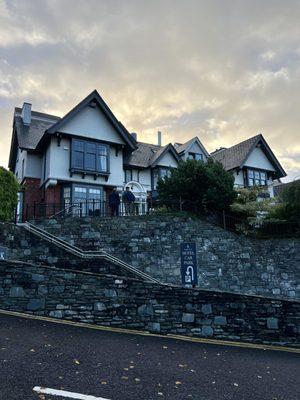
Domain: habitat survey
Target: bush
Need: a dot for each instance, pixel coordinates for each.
(8, 194)
(200, 186)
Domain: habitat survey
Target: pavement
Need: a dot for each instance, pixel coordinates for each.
(62, 362)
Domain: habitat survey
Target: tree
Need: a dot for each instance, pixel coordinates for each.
(289, 206)
(8, 194)
(200, 186)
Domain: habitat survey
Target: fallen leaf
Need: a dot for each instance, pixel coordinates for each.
(178, 383)
(76, 361)
(125, 378)
(131, 366)
(165, 347)
(160, 394)
(126, 369)
(259, 377)
(236, 384)
(137, 380)
(103, 382)
(32, 351)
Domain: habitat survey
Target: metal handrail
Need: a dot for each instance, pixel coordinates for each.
(85, 254)
(62, 211)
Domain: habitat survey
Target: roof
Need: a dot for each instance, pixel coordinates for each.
(236, 156)
(181, 148)
(43, 125)
(97, 100)
(281, 187)
(29, 136)
(148, 155)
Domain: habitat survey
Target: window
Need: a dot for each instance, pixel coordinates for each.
(195, 156)
(128, 175)
(89, 156)
(256, 177)
(159, 173)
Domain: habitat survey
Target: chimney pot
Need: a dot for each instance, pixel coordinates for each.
(134, 135)
(159, 138)
(26, 113)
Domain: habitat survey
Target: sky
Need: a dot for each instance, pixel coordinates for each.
(222, 70)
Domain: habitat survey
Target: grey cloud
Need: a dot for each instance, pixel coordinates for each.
(223, 70)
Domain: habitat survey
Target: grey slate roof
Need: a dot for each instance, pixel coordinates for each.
(181, 148)
(144, 155)
(235, 156)
(29, 136)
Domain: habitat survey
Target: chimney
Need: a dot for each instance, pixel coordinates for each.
(159, 138)
(26, 113)
(134, 135)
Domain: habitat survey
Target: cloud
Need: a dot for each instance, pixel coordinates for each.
(222, 70)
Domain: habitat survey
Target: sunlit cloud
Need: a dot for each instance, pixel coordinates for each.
(224, 71)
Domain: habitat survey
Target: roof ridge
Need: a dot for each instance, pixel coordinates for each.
(242, 142)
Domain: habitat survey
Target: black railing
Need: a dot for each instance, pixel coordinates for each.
(94, 208)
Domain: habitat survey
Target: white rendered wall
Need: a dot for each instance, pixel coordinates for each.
(168, 161)
(92, 123)
(145, 178)
(33, 166)
(59, 166)
(195, 148)
(257, 159)
(238, 179)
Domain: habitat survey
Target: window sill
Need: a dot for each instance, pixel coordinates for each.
(95, 174)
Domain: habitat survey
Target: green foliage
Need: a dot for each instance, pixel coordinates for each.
(200, 186)
(247, 205)
(8, 194)
(247, 195)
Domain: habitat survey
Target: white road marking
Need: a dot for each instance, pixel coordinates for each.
(63, 393)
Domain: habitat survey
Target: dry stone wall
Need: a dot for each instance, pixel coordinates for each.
(116, 300)
(226, 261)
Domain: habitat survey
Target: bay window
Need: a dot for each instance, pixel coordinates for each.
(89, 156)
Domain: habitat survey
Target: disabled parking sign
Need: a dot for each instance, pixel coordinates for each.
(188, 256)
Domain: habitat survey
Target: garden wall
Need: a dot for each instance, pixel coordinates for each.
(226, 261)
(117, 300)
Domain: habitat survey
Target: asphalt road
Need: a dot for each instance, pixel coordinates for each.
(119, 366)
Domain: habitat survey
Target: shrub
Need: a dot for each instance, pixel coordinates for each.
(200, 186)
(8, 194)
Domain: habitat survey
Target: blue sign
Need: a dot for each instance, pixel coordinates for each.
(188, 264)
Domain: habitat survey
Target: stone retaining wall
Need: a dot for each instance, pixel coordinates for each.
(226, 261)
(131, 303)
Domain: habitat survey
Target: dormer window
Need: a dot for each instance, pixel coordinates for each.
(195, 156)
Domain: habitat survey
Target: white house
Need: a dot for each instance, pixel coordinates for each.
(82, 156)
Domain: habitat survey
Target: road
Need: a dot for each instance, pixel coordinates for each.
(118, 366)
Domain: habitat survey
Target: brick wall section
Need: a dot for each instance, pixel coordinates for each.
(116, 300)
(226, 261)
(32, 194)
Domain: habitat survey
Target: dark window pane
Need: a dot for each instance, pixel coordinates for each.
(90, 161)
(198, 157)
(78, 159)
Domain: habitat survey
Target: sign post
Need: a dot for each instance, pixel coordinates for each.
(188, 256)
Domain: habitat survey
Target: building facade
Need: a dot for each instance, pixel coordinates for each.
(81, 157)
